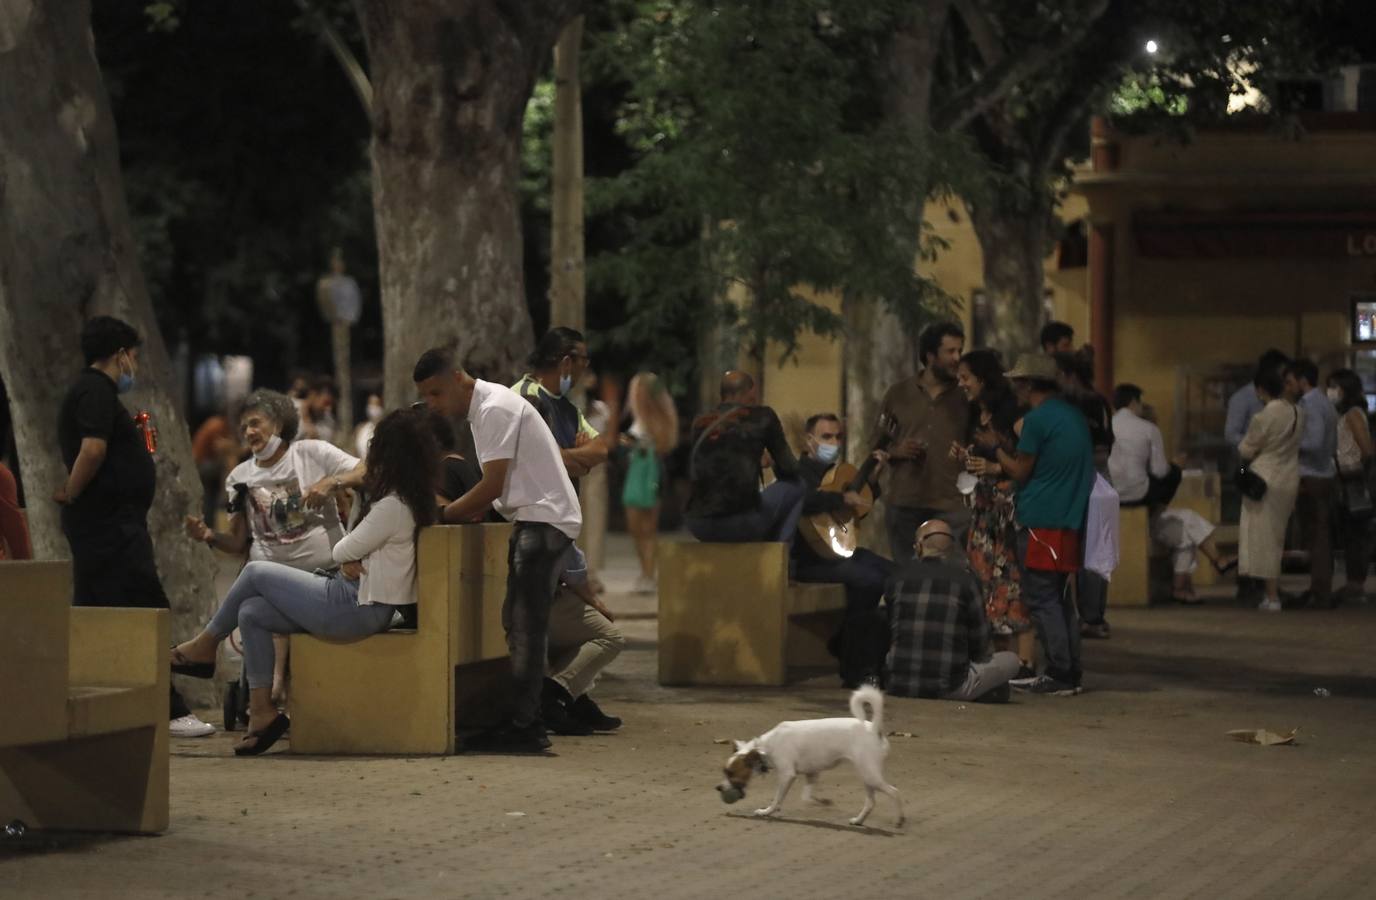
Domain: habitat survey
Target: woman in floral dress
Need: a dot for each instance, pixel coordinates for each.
(992, 546)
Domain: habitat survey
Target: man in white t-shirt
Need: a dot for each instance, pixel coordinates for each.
(524, 480)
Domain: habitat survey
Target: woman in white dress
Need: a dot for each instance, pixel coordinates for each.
(1272, 450)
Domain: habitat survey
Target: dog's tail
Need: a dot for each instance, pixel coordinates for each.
(871, 695)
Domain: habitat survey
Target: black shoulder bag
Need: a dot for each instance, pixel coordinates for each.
(1250, 484)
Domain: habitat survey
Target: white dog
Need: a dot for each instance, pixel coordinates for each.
(809, 747)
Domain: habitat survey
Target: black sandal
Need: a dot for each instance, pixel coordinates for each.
(1224, 570)
(265, 738)
(191, 669)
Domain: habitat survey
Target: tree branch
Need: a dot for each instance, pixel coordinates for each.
(982, 31)
(974, 99)
(344, 55)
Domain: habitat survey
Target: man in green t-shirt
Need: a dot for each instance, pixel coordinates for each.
(1053, 464)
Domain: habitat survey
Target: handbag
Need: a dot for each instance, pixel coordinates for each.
(1355, 496)
(641, 488)
(1249, 483)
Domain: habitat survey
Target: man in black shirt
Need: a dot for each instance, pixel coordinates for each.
(863, 639)
(110, 484)
(725, 462)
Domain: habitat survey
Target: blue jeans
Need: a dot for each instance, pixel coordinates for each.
(1093, 594)
(864, 631)
(1053, 612)
(536, 556)
(269, 598)
(775, 519)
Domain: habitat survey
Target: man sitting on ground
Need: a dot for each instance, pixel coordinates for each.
(940, 645)
(731, 446)
(1142, 477)
(860, 644)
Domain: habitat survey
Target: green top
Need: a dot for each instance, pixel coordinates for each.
(1057, 494)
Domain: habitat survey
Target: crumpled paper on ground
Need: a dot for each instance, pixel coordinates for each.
(1264, 737)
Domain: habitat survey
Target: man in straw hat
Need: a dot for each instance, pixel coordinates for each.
(1053, 464)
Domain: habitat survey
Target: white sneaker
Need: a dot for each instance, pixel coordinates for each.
(1269, 605)
(188, 726)
(645, 585)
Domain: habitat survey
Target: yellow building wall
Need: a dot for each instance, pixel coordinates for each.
(808, 383)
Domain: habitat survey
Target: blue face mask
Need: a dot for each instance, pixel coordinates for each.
(125, 383)
(565, 384)
(827, 453)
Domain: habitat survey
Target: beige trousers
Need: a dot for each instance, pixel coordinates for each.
(581, 643)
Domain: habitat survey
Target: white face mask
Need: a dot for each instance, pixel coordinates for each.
(271, 447)
(1335, 395)
(374, 412)
(966, 483)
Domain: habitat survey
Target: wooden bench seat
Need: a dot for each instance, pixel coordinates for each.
(728, 615)
(407, 691)
(83, 735)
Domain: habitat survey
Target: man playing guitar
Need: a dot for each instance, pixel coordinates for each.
(830, 502)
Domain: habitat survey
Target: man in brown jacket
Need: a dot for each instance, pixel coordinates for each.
(928, 412)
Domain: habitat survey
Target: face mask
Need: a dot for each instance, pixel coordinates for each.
(827, 453)
(565, 384)
(272, 446)
(965, 483)
(125, 383)
(374, 412)
(1335, 395)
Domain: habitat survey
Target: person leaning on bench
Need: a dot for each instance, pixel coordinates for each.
(726, 461)
(523, 479)
(377, 575)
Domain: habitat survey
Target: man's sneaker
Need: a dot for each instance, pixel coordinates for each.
(1053, 686)
(1095, 631)
(586, 711)
(1026, 675)
(556, 709)
(188, 726)
(508, 739)
(1270, 605)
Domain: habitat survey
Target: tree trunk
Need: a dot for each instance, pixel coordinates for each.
(67, 253)
(450, 85)
(1014, 245)
(566, 277)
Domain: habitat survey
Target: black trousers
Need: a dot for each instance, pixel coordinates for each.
(863, 641)
(112, 565)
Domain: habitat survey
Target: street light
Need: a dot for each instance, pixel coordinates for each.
(1152, 46)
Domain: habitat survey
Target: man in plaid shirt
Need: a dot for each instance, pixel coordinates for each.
(940, 645)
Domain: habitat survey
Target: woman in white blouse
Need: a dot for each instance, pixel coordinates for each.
(377, 575)
(1272, 450)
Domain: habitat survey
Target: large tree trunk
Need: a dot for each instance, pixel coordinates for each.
(66, 254)
(566, 263)
(450, 85)
(1014, 246)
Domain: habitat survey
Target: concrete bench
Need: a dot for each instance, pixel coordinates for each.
(83, 707)
(728, 615)
(407, 691)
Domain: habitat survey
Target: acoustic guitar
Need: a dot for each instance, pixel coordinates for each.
(835, 535)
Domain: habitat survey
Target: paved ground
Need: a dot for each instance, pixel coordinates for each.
(1130, 790)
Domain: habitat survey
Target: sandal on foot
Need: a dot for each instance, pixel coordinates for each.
(264, 739)
(192, 669)
(1227, 567)
(1187, 601)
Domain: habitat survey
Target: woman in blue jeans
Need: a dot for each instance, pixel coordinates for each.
(377, 575)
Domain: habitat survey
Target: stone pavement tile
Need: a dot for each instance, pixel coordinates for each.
(1129, 790)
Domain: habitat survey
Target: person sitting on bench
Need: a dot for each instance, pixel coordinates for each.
(731, 446)
(1142, 477)
(377, 575)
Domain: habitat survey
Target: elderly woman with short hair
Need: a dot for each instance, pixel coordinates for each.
(283, 495)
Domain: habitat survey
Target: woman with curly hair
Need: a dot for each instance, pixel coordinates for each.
(377, 576)
(992, 544)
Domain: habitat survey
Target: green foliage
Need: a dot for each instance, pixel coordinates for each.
(763, 169)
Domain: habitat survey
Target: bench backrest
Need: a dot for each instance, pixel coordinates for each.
(35, 612)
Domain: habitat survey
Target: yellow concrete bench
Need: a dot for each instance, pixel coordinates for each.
(728, 615)
(406, 691)
(83, 707)
(1144, 571)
